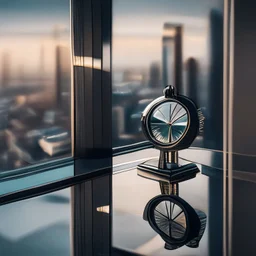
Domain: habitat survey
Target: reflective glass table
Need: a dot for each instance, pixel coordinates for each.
(132, 190)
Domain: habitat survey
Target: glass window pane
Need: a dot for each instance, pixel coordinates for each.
(35, 82)
(158, 43)
(38, 226)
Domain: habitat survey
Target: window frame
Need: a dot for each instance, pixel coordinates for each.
(91, 96)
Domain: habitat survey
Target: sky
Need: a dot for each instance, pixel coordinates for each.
(27, 28)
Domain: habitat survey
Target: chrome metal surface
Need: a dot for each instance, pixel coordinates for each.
(173, 156)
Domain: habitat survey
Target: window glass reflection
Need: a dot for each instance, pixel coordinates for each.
(38, 226)
(35, 81)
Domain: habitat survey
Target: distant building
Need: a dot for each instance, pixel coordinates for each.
(154, 75)
(6, 67)
(62, 78)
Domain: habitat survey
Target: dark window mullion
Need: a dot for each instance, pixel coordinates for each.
(96, 84)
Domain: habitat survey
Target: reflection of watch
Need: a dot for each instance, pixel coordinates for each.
(171, 122)
(173, 219)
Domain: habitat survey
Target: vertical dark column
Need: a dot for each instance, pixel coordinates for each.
(91, 29)
(101, 191)
(244, 78)
(92, 79)
(244, 127)
(106, 91)
(215, 214)
(214, 122)
(97, 76)
(82, 226)
(91, 204)
(82, 30)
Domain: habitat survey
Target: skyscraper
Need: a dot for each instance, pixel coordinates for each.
(6, 66)
(172, 55)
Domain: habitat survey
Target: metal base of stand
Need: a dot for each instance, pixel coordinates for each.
(175, 175)
(167, 172)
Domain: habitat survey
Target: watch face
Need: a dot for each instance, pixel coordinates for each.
(168, 122)
(170, 218)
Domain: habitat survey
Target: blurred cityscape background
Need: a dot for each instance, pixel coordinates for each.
(35, 82)
(154, 44)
